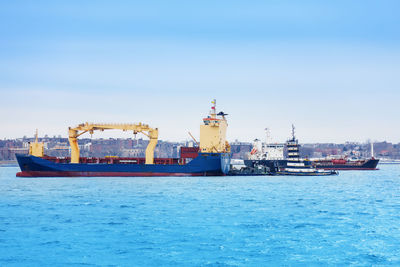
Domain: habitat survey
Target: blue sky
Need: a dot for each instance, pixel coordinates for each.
(331, 68)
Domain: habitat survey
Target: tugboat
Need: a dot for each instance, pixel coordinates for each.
(297, 166)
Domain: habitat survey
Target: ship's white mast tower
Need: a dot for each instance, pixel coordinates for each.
(293, 132)
(372, 149)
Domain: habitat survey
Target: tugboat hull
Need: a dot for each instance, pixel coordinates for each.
(324, 173)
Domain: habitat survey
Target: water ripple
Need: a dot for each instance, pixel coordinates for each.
(350, 219)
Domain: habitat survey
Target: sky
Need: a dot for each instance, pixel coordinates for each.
(332, 68)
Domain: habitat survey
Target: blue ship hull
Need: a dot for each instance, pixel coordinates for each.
(205, 164)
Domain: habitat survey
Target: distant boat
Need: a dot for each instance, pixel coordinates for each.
(347, 164)
(297, 166)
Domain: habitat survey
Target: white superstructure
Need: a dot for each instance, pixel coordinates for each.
(267, 150)
(294, 163)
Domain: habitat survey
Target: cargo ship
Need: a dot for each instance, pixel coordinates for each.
(210, 158)
(346, 164)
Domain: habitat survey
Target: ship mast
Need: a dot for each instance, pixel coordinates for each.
(372, 149)
(267, 136)
(293, 132)
(36, 136)
(213, 111)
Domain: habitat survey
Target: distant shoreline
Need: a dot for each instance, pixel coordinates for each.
(8, 163)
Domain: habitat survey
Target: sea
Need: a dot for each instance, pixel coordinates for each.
(352, 219)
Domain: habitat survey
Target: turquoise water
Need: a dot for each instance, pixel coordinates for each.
(350, 219)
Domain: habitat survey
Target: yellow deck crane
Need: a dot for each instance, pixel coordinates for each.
(74, 133)
(36, 148)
